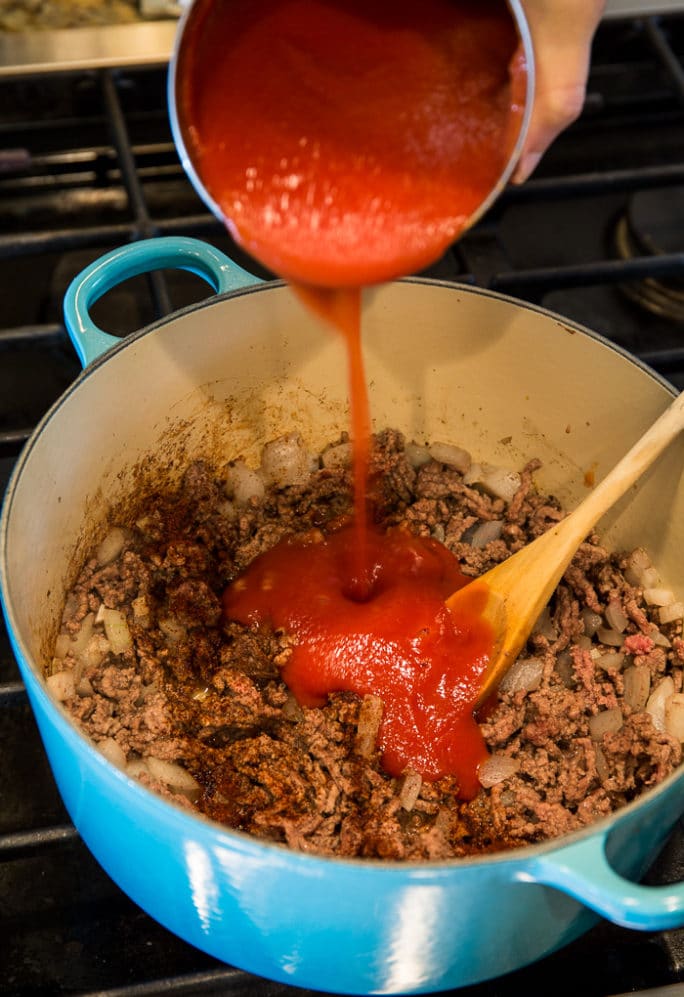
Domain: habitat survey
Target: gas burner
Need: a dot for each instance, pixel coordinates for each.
(653, 225)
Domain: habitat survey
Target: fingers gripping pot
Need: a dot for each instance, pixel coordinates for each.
(218, 380)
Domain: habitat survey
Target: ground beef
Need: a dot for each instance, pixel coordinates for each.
(194, 707)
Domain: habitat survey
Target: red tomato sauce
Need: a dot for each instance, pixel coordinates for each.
(348, 142)
(399, 641)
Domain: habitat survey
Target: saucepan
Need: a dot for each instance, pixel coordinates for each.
(216, 380)
(193, 26)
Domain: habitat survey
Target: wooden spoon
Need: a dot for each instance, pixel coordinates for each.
(512, 595)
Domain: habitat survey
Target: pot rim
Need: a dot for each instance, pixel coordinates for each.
(570, 325)
(174, 815)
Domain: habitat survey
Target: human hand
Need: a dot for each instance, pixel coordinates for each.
(562, 32)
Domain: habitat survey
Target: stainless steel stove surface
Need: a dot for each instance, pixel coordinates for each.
(87, 163)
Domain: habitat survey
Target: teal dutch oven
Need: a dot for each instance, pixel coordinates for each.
(218, 379)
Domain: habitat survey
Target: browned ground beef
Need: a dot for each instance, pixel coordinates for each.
(205, 696)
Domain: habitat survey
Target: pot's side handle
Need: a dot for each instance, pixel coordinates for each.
(583, 871)
(168, 252)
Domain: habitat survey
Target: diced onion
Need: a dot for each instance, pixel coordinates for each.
(495, 769)
(243, 483)
(610, 637)
(80, 639)
(638, 562)
(656, 702)
(85, 687)
(62, 645)
(602, 769)
(116, 629)
(137, 767)
(452, 456)
(670, 613)
(337, 456)
(658, 596)
(410, 789)
(286, 461)
(416, 455)
(95, 651)
(615, 616)
(141, 611)
(61, 685)
(438, 532)
(228, 510)
(524, 675)
(566, 669)
(637, 680)
(650, 578)
(605, 722)
(174, 776)
(145, 524)
(496, 481)
(486, 532)
(368, 725)
(545, 625)
(110, 548)
(611, 661)
(70, 607)
(112, 751)
(674, 715)
(592, 621)
(659, 638)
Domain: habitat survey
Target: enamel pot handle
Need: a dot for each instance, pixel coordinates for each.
(169, 252)
(583, 871)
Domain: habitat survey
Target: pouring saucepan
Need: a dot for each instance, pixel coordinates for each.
(216, 380)
(192, 29)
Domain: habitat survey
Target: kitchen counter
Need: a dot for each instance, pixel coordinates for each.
(66, 49)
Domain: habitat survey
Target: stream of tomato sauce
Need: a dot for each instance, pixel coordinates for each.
(348, 142)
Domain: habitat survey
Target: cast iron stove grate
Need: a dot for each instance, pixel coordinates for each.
(87, 163)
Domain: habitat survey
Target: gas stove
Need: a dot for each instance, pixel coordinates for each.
(87, 163)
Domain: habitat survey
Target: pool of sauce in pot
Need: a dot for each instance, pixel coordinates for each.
(347, 143)
(398, 641)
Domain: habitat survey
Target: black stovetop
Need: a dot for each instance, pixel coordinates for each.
(87, 163)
